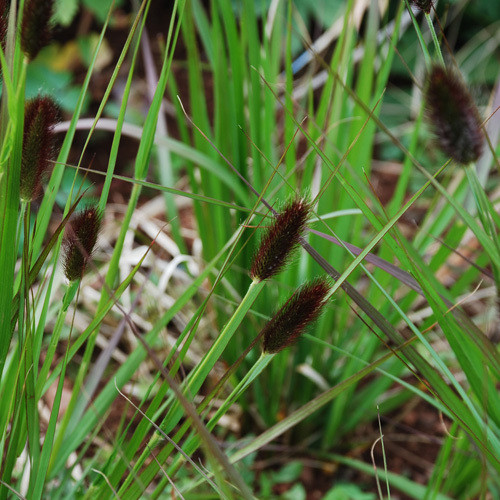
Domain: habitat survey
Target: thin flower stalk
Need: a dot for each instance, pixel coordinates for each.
(292, 319)
(275, 250)
(196, 377)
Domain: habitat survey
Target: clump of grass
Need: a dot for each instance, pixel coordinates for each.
(339, 373)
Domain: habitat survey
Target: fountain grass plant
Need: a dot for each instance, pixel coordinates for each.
(168, 320)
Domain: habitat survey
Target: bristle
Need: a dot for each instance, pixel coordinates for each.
(454, 116)
(79, 242)
(280, 240)
(35, 29)
(38, 144)
(300, 310)
(423, 5)
(4, 20)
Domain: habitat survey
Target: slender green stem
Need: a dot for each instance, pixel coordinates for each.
(193, 442)
(486, 211)
(50, 448)
(421, 40)
(54, 338)
(193, 384)
(200, 373)
(437, 47)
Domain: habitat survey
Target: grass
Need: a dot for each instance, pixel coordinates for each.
(125, 383)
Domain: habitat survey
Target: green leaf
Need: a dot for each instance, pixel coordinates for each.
(287, 474)
(65, 11)
(296, 492)
(56, 84)
(323, 11)
(101, 7)
(347, 492)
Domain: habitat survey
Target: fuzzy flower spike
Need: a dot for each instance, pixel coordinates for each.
(454, 116)
(280, 240)
(4, 20)
(38, 144)
(298, 312)
(35, 28)
(79, 242)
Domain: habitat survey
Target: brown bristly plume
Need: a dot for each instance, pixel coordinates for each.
(41, 114)
(454, 116)
(35, 27)
(423, 5)
(298, 312)
(280, 240)
(4, 20)
(79, 242)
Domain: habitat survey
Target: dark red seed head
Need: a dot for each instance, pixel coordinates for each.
(79, 242)
(4, 21)
(423, 5)
(298, 312)
(454, 116)
(35, 28)
(38, 144)
(280, 240)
